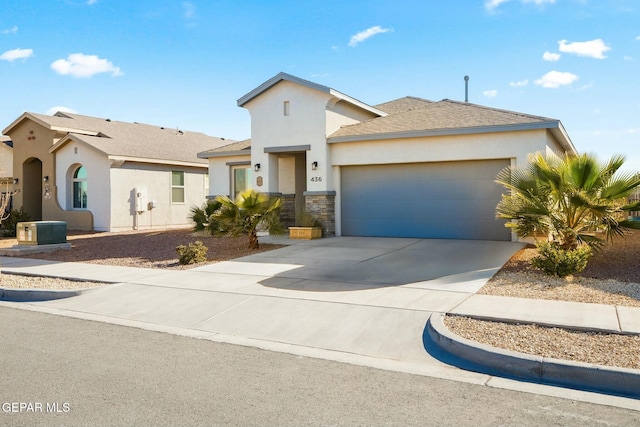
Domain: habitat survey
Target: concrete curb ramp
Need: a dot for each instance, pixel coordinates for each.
(618, 381)
(32, 295)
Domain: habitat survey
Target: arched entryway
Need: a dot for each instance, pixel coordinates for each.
(32, 188)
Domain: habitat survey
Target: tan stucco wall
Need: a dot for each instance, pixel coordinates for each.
(305, 125)
(31, 140)
(155, 182)
(6, 161)
(68, 158)
(220, 174)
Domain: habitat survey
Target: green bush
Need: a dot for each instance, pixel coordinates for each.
(8, 226)
(555, 261)
(192, 253)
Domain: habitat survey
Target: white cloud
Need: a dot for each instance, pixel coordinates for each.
(12, 55)
(490, 93)
(81, 65)
(12, 30)
(521, 83)
(189, 9)
(90, 3)
(51, 111)
(491, 5)
(628, 58)
(369, 32)
(555, 79)
(593, 48)
(638, 38)
(551, 57)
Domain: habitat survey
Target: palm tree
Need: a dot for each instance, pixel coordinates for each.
(574, 199)
(201, 217)
(250, 212)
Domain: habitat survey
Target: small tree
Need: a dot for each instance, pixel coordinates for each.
(571, 199)
(5, 200)
(250, 212)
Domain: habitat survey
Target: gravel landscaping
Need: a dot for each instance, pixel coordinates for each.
(612, 277)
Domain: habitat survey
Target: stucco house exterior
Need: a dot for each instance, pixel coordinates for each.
(405, 168)
(104, 175)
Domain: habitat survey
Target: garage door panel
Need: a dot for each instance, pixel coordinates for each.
(432, 200)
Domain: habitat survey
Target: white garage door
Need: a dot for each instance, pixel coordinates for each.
(447, 200)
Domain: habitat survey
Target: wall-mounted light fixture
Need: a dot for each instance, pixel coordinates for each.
(256, 167)
(15, 180)
(314, 165)
(45, 178)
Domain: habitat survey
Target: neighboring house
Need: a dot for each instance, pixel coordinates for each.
(104, 175)
(6, 157)
(406, 168)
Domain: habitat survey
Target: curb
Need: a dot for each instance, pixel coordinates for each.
(578, 375)
(33, 295)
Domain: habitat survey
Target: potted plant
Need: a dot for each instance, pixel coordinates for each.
(307, 227)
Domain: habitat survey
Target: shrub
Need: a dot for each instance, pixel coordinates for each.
(305, 219)
(555, 261)
(192, 253)
(8, 227)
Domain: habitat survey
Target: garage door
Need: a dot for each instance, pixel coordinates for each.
(448, 200)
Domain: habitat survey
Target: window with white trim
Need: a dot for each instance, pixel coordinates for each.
(177, 186)
(79, 184)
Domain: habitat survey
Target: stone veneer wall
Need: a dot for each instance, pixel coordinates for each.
(288, 210)
(322, 205)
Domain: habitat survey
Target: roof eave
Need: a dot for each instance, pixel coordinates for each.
(206, 155)
(561, 135)
(553, 124)
(293, 79)
(274, 81)
(117, 158)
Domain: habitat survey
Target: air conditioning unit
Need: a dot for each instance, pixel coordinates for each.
(41, 232)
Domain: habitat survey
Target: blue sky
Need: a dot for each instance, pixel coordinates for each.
(184, 64)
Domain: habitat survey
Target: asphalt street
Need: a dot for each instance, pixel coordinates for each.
(64, 371)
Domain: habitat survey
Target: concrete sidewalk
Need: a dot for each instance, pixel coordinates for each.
(358, 300)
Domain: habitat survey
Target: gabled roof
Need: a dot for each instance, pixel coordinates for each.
(234, 149)
(445, 117)
(293, 79)
(127, 141)
(403, 104)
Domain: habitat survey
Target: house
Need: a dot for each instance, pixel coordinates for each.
(6, 157)
(405, 168)
(104, 175)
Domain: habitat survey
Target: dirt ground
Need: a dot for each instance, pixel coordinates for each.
(148, 249)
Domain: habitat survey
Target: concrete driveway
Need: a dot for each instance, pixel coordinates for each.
(359, 300)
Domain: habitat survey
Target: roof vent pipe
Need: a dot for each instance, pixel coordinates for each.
(466, 89)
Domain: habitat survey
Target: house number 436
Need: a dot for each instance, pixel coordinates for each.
(316, 179)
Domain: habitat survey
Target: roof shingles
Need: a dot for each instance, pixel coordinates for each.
(134, 140)
(427, 116)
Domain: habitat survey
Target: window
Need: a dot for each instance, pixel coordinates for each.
(240, 179)
(206, 184)
(80, 188)
(177, 187)
(286, 108)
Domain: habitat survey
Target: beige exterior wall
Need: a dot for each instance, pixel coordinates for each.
(6, 161)
(68, 159)
(154, 181)
(311, 116)
(220, 173)
(31, 140)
